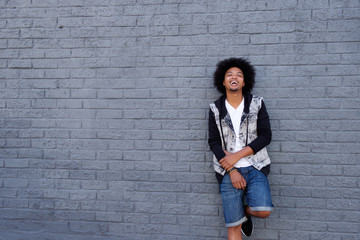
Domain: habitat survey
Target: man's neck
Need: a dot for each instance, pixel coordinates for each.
(234, 99)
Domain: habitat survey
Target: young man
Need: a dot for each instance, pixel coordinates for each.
(239, 130)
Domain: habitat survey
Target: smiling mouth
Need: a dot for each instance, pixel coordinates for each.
(233, 83)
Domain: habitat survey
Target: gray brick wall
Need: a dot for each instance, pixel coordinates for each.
(103, 116)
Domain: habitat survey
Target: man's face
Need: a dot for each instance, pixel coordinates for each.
(234, 80)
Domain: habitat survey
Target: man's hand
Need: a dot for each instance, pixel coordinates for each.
(228, 161)
(237, 180)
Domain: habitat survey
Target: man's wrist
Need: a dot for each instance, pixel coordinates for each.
(232, 170)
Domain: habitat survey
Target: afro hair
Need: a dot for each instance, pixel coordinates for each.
(244, 65)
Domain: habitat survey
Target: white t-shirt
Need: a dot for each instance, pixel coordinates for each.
(235, 115)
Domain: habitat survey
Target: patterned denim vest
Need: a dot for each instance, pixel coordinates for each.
(247, 134)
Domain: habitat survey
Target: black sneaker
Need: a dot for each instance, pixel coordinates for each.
(247, 227)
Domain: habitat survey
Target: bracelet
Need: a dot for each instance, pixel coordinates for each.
(232, 170)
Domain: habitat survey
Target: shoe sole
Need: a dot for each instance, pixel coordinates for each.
(252, 231)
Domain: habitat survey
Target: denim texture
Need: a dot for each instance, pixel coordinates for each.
(257, 196)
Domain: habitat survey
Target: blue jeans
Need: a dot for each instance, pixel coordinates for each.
(257, 195)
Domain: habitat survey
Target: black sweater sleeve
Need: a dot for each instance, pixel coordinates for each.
(263, 130)
(214, 139)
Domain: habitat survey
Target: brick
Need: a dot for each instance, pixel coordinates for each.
(166, 187)
(107, 195)
(92, 228)
(341, 182)
(343, 93)
(74, 215)
(29, 194)
(161, 219)
(15, 183)
(16, 163)
(109, 176)
(83, 195)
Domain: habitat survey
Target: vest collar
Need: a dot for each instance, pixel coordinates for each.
(220, 104)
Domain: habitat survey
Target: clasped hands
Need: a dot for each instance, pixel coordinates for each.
(227, 163)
